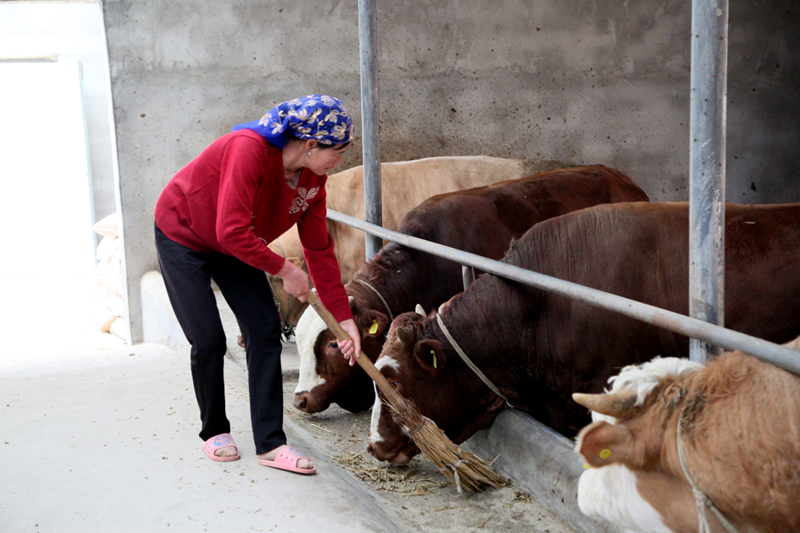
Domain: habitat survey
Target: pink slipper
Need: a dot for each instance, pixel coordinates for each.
(288, 459)
(223, 440)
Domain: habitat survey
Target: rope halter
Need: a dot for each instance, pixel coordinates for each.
(702, 500)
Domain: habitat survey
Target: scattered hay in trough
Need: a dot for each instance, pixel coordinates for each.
(404, 479)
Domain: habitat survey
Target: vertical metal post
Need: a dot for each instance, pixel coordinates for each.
(708, 111)
(370, 113)
(467, 275)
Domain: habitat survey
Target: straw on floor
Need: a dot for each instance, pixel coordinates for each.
(466, 470)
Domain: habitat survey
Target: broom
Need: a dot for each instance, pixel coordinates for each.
(463, 468)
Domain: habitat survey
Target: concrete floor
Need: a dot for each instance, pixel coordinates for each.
(100, 436)
(106, 441)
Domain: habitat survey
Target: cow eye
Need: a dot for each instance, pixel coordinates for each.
(333, 345)
(393, 384)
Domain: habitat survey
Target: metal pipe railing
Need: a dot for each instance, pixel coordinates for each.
(691, 327)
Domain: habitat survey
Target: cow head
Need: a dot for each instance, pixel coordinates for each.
(444, 390)
(628, 483)
(640, 397)
(325, 376)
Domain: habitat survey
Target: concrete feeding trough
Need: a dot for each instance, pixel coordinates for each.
(539, 460)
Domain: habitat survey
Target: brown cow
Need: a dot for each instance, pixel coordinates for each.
(482, 221)
(538, 348)
(404, 184)
(740, 432)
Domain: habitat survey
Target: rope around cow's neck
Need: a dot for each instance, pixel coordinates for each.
(703, 502)
(388, 310)
(467, 360)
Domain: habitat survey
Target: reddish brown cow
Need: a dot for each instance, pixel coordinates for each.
(538, 348)
(482, 221)
(740, 431)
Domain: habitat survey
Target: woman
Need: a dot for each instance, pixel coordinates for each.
(214, 220)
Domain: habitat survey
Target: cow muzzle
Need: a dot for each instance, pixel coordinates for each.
(399, 454)
(309, 403)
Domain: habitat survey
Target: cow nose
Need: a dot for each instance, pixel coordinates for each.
(301, 402)
(398, 458)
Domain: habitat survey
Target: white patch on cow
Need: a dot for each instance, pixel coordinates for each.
(309, 328)
(643, 378)
(374, 434)
(610, 493)
(385, 361)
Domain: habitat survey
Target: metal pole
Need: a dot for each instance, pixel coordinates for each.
(467, 275)
(370, 113)
(709, 73)
(732, 340)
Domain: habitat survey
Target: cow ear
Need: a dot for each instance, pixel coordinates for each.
(601, 444)
(372, 323)
(429, 356)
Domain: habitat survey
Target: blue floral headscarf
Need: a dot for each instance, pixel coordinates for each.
(319, 117)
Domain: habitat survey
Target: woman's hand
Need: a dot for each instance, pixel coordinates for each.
(351, 347)
(295, 281)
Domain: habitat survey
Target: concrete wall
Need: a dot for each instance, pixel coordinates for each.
(575, 80)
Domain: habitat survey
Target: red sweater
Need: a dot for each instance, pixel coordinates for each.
(233, 199)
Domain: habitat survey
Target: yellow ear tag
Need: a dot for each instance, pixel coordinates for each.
(373, 329)
(433, 353)
(605, 454)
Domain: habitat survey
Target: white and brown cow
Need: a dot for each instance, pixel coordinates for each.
(538, 348)
(740, 431)
(482, 221)
(404, 184)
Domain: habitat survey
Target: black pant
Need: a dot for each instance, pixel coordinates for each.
(187, 275)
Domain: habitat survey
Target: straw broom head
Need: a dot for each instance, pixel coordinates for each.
(464, 469)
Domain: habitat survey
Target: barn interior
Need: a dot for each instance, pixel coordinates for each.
(576, 81)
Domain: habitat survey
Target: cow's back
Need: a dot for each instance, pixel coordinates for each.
(484, 220)
(406, 184)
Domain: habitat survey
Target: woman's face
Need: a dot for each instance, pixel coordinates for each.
(323, 160)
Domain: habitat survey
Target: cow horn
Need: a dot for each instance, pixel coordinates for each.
(419, 310)
(405, 334)
(614, 404)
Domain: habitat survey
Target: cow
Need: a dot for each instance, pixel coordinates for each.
(404, 184)
(483, 221)
(537, 347)
(739, 421)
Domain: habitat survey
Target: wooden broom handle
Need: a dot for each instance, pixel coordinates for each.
(363, 360)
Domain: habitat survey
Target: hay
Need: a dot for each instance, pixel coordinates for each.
(406, 479)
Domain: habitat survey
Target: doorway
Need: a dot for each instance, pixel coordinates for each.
(47, 278)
